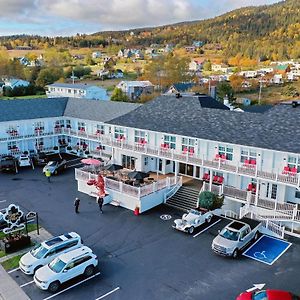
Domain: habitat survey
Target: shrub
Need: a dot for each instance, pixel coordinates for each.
(210, 201)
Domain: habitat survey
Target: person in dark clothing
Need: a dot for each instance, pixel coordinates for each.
(100, 203)
(76, 204)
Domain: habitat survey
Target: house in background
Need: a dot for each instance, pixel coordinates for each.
(76, 91)
(15, 82)
(220, 68)
(196, 65)
(96, 54)
(134, 89)
(181, 87)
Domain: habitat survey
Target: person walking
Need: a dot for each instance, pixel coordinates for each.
(76, 204)
(48, 174)
(100, 203)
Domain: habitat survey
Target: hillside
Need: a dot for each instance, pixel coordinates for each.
(265, 32)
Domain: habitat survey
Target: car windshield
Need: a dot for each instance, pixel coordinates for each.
(262, 295)
(56, 265)
(230, 234)
(39, 251)
(195, 212)
(52, 163)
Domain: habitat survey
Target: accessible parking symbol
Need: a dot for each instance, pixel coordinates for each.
(267, 249)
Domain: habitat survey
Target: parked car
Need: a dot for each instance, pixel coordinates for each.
(55, 167)
(9, 163)
(268, 295)
(192, 220)
(236, 236)
(81, 261)
(25, 161)
(45, 252)
(40, 159)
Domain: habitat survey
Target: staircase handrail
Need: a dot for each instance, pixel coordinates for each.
(174, 190)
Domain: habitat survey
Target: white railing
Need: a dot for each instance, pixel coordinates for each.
(230, 214)
(235, 193)
(174, 190)
(192, 158)
(273, 227)
(121, 187)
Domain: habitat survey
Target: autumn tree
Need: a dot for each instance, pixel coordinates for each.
(119, 95)
(48, 76)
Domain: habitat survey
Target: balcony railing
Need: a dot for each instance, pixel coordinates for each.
(189, 158)
(119, 186)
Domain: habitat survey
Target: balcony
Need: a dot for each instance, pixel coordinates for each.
(145, 196)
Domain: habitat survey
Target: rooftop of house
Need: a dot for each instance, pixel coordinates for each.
(142, 83)
(73, 86)
(205, 118)
(24, 109)
(101, 111)
(183, 86)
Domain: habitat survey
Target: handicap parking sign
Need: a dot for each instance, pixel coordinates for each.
(267, 249)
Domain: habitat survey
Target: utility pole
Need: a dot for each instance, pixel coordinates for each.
(260, 87)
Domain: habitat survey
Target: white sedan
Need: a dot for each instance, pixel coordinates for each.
(192, 220)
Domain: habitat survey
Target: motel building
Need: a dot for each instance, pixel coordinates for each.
(188, 144)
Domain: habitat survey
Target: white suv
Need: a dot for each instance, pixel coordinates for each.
(66, 267)
(25, 161)
(45, 252)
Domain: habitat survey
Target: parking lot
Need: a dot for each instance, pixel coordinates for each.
(140, 257)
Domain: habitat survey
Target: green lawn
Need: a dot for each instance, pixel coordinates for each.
(11, 263)
(23, 97)
(2, 253)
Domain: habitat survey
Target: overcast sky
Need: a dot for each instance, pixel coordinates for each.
(68, 17)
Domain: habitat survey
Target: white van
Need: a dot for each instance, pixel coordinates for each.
(45, 252)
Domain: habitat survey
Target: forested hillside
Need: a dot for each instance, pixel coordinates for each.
(265, 32)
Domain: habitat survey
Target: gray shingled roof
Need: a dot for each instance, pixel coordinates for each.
(275, 129)
(102, 111)
(13, 110)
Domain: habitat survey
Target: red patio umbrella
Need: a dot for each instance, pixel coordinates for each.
(91, 161)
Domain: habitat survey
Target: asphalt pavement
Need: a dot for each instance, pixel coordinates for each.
(140, 257)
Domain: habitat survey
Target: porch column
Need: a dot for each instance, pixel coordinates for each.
(176, 168)
(210, 179)
(257, 192)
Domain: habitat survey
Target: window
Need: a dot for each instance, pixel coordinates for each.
(128, 162)
(12, 146)
(146, 160)
(119, 133)
(227, 151)
(39, 126)
(69, 91)
(297, 194)
(139, 136)
(187, 145)
(59, 123)
(170, 141)
(81, 260)
(294, 162)
(81, 126)
(100, 129)
(68, 123)
(248, 156)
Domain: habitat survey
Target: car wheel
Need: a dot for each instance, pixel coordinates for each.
(191, 230)
(235, 253)
(89, 271)
(54, 286)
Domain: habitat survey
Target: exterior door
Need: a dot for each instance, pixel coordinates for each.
(271, 191)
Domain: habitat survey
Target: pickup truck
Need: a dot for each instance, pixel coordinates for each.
(236, 236)
(9, 163)
(193, 219)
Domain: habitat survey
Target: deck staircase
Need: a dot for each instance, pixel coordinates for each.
(184, 199)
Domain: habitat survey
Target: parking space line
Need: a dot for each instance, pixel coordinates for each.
(13, 270)
(70, 287)
(2, 201)
(105, 295)
(27, 283)
(207, 227)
